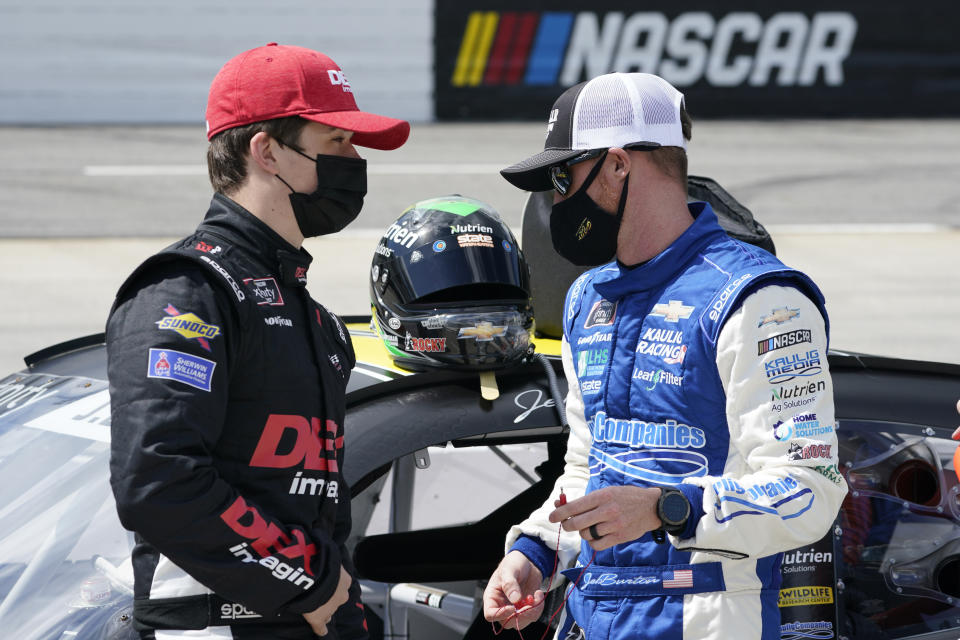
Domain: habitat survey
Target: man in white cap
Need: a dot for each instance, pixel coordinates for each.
(227, 380)
(697, 370)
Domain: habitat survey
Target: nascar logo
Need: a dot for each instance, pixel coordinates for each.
(742, 47)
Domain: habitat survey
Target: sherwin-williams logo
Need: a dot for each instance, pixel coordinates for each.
(742, 47)
(183, 367)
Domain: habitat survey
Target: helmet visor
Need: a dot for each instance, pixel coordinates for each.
(476, 258)
(477, 338)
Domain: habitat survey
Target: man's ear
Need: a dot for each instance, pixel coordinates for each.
(619, 164)
(262, 151)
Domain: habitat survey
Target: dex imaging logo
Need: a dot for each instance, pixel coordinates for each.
(548, 48)
(337, 79)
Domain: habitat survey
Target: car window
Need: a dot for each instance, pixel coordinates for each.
(898, 553)
(463, 484)
(61, 543)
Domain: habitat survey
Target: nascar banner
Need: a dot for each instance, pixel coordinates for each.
(509, 60)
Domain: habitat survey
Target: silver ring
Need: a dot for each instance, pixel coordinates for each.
(593, 532)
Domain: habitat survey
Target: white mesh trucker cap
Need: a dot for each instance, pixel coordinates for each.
(613, 110)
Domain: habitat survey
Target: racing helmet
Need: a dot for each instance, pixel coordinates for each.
(449, 287)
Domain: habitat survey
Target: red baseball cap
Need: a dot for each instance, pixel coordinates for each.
(277, 81)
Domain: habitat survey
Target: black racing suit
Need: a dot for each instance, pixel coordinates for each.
(227, 394)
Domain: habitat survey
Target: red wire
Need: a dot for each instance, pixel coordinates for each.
(515, 616)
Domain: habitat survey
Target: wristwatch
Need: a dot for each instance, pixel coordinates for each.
(673, 509)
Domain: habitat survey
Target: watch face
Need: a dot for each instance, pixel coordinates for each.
(674, 508)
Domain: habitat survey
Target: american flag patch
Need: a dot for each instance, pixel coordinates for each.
(680, 579)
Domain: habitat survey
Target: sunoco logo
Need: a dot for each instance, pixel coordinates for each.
(725, 50)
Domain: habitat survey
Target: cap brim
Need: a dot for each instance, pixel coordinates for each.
(369, 129)
(531, 174)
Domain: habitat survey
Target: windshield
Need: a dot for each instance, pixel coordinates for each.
(62, 548)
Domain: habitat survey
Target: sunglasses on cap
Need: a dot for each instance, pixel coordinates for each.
(560, 173)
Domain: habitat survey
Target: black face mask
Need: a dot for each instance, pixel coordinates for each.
(338, 198)
(583, 232)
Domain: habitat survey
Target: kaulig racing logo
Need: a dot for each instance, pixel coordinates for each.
(723, 49)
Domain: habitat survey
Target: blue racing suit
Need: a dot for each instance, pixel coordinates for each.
(704, 369)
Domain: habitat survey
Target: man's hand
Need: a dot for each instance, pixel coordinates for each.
(320, 617)
(956, 433)
(514, 582)
(617, 514)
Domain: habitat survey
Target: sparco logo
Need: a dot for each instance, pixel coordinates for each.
(574, 295)
(721, 302)
(237, 611)
(226, 276)
(726, 50)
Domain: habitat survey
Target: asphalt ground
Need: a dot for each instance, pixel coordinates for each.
(870, 209)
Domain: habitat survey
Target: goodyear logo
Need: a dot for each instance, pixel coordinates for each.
(189, 325)
(805, 596)
(737, 48)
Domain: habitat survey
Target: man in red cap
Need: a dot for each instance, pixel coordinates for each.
(227, 380)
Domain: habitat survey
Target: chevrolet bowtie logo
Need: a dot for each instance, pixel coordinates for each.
(482, 332)
(779, 316)
(673, 312)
